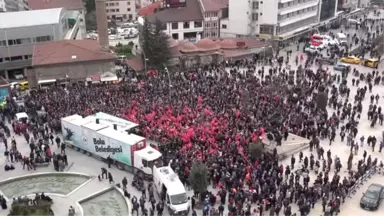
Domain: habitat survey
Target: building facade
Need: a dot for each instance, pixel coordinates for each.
(121, 10)
(281, 19)
(212, 12)
(23, 30)
(185, 23)
(13, 5)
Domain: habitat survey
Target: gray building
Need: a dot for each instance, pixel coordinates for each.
(13, 5)
(20, 31)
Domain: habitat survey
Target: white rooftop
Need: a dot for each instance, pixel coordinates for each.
(30, 18)
(130, 139)
(94, 126)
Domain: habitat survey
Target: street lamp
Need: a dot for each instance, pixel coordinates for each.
(145, 61)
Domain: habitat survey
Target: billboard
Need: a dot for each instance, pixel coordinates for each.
(175, 3)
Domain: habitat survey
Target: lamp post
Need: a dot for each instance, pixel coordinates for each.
(145, 61)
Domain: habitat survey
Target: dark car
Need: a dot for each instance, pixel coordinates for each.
(327, 60)
(342, 67)
(372, 197)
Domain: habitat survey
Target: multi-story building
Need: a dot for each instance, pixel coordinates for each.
(184, 23)
(352, 4)
(13, 5)
(121, 10)
(22, 31)
(212, 12)
(75, 12)
(278, 19)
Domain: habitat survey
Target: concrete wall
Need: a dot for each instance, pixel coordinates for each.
(76, 71)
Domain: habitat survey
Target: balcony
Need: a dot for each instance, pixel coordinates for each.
(15, 64)
(298, 7)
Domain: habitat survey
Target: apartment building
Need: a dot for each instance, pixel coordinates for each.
(13, 5)
(121, 10)
(212, 12)
(185, 23)
(278, 19)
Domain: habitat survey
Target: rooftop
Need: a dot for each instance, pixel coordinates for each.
(69, 51)
(190, 13)
(30, 18)
(48, 4)
(213, 5)
(150, 9)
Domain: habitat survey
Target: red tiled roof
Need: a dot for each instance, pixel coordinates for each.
(48, 4)
(136, 63)
(150, 9)
(214, 5)
(68, 51)
(207, 45)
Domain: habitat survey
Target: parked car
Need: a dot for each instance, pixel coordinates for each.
(350, 60)
(372, 63)
(312, 49)
(372, 197)
(342, 67)
(327, 60)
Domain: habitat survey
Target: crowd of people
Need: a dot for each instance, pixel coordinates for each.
(211, 113)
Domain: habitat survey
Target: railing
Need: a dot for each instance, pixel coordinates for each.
(15, 64)
(362, 180)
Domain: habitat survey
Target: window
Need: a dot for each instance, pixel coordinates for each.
(214, 14)
(117, 3)
(128, 3)
(255, 5)
(111, 4)
(106, 4)
(186, 25)
(214, 24)
(125, 16)
(112, 10)
(213, 34)
(128, 9)
(130, 16)
(175, 25)
(255, 16)
(10, 42)
(107, 10)
(175, 36)
(3, 43)
(261, 14)
(117, 10)
(223, 26)
(43, 38)
(198, 24)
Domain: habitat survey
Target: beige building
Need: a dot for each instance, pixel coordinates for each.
(121, 10)
(76, 60)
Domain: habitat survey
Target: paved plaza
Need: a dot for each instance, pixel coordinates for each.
(79, 186)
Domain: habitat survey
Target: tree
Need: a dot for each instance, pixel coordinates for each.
(198, 177)
(255, 149)
(155, 45)
(90, 20)
(90, 5)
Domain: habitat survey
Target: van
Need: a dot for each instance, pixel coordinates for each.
(167, 183)
(45, 84)
(23, 85)
(342, 38)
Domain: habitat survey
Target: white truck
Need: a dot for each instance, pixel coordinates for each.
(168, 183)
(104, 136)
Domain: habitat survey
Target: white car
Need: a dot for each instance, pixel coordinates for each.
(312, 49)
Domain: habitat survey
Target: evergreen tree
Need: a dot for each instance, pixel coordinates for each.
(155, 46)
(198, 177)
